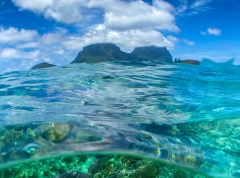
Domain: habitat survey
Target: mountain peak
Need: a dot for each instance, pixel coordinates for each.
(103, 52)
(153, 53)
(106, 52)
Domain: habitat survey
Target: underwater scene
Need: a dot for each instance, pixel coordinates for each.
(121, 119)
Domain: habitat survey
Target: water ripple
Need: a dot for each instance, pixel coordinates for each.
(180, 114)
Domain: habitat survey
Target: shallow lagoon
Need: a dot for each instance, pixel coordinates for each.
(178, 114)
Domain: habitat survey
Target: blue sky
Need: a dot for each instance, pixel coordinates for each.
(54, 31)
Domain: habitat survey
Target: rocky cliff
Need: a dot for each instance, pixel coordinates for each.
(103, 52)
(153, 53)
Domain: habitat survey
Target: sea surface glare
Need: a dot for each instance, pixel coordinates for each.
(180, 114)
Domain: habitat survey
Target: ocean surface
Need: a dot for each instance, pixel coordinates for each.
(179, 114)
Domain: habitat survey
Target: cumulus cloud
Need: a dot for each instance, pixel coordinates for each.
(126, 40)
(121, 15)
(34, 5)
(60, 10)
(13, 35)
(66, 11)
(11, 53)
(188, 42)
(214, 31)
(203, 33)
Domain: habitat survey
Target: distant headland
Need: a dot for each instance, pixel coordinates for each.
(105, 52)
(42, 65)
(188, 61)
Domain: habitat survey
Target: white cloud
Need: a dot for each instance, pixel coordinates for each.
(28, 45)
(11, 53)
(172, 38)
(203, 33)
(34, 5)
(59, 10)
(59, 52)
(182, 7)
(13, 35)
(196, 7)
(126, 40)
(188, 42)
(48, 60)
(27, 64)
(199, 3)
(61, 30)
(66, 11)
(121, 15)
(214, 31)
(50, 38)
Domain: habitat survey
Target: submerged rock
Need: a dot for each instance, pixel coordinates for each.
(82, 175)
(108, 77)
(54, 132)
(94, 167)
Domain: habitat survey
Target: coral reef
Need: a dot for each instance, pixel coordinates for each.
(73, 174)
(146, 171)
(96, 166)
(179, 174)
(53, 131)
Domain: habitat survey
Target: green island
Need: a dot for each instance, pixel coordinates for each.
(106, 52)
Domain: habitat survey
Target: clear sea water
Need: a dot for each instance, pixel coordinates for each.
(179, 114)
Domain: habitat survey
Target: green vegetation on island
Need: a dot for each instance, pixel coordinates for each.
(153, 53)
(103, 52)
(42, 65)
(106, 52)
(193, 62)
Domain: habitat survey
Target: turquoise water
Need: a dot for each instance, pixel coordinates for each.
(179, 114)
